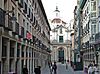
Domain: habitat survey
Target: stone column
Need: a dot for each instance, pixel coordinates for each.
(33, 60)
(8, 54)
(20, 62)
(24, 55)
(15, 55)
(13, 45)
(28, 59)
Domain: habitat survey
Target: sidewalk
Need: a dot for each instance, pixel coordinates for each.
(61, 69)
(45, 70)
(74, 72)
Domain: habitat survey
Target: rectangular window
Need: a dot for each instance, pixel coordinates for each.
(60, 38)
(93, 6)
(27, 26)
(30, 29)
(93, 29)
(23, 22)
(13, 10)
(19, 18)
(99, 11)
(11, 52)
(4, 51)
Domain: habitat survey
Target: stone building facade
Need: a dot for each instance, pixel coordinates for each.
(24, 35)
(59, 39)
(89, 30)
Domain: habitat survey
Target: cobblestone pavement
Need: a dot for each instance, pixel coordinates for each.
(61, 69)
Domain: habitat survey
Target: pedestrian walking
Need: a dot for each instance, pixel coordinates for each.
(24, 70)
(51, 69)
(55, 68)
(50, 66)
(37, 70)
(85, 70)
(96, 70)
(91, 69)
(66, 66)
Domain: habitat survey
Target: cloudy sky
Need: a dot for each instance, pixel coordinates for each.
(66, 8)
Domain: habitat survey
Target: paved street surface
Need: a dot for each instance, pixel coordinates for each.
(61, 69)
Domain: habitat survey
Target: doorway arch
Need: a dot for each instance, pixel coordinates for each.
(61, 55)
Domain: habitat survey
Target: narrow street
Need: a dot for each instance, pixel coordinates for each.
(61, 69)
(38, 33)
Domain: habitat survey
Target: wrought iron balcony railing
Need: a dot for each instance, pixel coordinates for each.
(64, 42)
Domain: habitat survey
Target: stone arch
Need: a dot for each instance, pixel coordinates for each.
(61, 52)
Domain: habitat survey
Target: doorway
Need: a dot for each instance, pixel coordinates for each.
(61, 55)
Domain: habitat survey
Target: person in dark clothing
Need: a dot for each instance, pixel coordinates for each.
(37, 70)
(55, 68)
(24, 70)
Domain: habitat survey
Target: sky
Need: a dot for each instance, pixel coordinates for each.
(66, 8)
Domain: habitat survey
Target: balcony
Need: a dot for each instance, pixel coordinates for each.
(2, 17)
(56, 42)
(8, 23)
